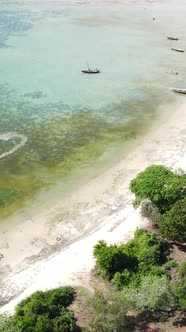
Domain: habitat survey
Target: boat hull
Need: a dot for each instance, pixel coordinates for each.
(172, 38)
(182, 91)
(177, 49)
(90, 71)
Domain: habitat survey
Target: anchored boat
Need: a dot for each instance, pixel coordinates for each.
(183, 91)
(172, 38)
(91, 71)
(177, 49)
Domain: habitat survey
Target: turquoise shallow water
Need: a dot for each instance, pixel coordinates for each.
(58, 119)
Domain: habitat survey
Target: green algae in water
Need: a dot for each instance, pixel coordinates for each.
(7, 196)
(63, 140)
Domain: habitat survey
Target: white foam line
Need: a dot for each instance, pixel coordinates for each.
(9, 136)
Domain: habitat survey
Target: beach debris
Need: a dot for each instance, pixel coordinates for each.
(177, 49)
(172, 72)
(58, 238)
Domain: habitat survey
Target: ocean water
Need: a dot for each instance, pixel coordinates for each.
(54, 120)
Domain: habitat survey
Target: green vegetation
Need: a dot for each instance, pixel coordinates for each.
(109, 313)
(182, 270)
(7, 324)
(181, 286)
(155, 294)
(43, 312)
(109, 259)
(7, 195)
(172, 224)
(128, 263)
(141, 271)
(163, 197)
(181, 293)
(160, 185)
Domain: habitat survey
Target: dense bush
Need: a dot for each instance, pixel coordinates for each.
(172, 224)
(160, 185)
(7, 324)
(109, 259)
(146, 248)
(154, 294)
(128, 263)
(181, 293)
(109, 313)
(44, 312)
(182, 270)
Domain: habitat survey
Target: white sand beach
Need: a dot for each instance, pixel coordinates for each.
(54, 247)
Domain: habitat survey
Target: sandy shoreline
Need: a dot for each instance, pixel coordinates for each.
(54, 248)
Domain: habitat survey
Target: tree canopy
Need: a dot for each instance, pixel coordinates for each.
(128, 263)
(43, 312)
(172, 224)
(160, 185)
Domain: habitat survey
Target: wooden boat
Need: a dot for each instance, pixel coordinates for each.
(172, 38)
(91, 71)
(183, 91)
(177, 49)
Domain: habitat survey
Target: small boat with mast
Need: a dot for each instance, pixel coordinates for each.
(90, 71)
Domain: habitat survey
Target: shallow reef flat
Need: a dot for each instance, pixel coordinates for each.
(61, 139)
(63, 120)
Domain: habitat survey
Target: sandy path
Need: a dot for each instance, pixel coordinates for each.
(100, 209)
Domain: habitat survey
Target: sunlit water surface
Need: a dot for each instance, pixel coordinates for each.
(56, 121)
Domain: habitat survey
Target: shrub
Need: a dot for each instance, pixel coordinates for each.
(154, 294)
(181, 293)
(46, 312)
(149, 210)
(109, 313)
(172, 224)
(128, 263)
(160, 185)
(144, 242)
(109, 259)
(169, 265)
(7, 324)
(122, 278)
(182, 270)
